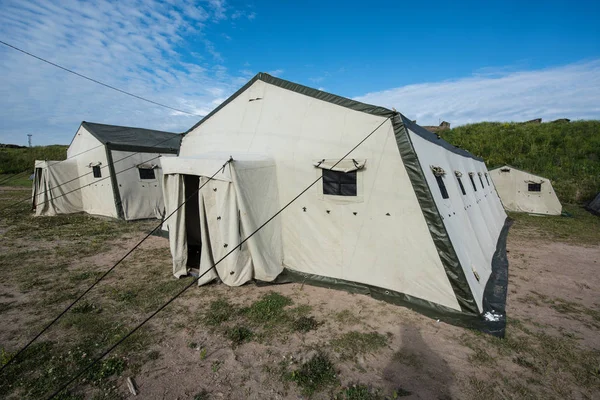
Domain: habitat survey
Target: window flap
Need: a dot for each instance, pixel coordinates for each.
(94, 164)
(147, 166)
(538, 182)
(346, 165)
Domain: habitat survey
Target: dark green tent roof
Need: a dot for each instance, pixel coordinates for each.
(134, 139)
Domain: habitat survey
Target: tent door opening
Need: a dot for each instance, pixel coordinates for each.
(37, 184)
(192, 221)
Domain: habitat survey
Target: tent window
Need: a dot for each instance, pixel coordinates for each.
(473, 182)
(442, 186)
(481, 180)
(96, 171)
(462, 188)
(486, 179)
(146, 173)
(339, 183)
(534, 187)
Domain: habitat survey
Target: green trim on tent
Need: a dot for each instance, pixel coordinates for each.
(437, 229)
(115, 185)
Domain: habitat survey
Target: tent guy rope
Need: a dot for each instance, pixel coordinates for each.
(11, 360)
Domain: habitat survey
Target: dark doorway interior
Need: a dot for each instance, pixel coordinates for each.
(192, 220)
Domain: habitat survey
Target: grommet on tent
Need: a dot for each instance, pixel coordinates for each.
(328, 211)
(215, 189)
(354, 213)
(304, 209)
(388, 214)
(225, 245)
(218, 218)
(231, 273)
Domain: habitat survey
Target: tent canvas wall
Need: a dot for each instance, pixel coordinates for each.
(522, 191)
(117, 169)
(55, 185)
(389, 220)
(594, 205)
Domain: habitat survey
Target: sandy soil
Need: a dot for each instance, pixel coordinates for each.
(553, 291)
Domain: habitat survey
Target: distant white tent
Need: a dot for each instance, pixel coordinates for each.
(112, 171)
(522, 191)
(406, 217)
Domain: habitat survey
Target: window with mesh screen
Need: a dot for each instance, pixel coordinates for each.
(442, 186)
(462, 188)
(534, 187)
(473, 182)
(339, 183)
(146, 173)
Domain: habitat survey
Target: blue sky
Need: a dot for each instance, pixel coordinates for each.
(458, 61)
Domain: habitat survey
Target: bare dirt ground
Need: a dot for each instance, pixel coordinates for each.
(287, 341)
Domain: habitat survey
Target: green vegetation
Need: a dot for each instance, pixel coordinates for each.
(268, 309)
(14, 161)
(219, 311)
(566, 153)
(353, 343)
(359, 392)
(239, 334)
(314, 375)
(305, 324)
(580, 228)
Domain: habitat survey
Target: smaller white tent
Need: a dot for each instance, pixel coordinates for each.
(110, 170)
(522, 191)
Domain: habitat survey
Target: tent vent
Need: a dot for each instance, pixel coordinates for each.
(437, 171)
(505, 170)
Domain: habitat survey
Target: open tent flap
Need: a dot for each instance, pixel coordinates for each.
(229, 211)
(346, 165)
(56, 188)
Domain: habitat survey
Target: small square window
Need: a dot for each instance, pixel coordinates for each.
(473, 182)
(442, 186)
(97, 172)
(534, 187)
(146, 173)
(462, 187)
(339, 183)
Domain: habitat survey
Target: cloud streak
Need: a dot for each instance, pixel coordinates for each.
(570, 91)
(140, 46)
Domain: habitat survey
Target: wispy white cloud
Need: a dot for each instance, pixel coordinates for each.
(135, 45)
(570, 91)
(276, 72)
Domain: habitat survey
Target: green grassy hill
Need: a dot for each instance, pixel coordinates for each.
(566, 153)
(17, 160)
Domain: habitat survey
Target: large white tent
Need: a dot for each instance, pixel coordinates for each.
(110, 170)
(405, 217)
(522, 191)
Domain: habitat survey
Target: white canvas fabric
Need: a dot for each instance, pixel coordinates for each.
(379, 237)
(55, 187)
(385, 225)
(473, 220)
(232, 204)
(513, 187)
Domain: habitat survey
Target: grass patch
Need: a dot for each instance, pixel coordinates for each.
(219, 311)
(239, 335)
(314, 375)
(359, 392)
(346, 317)
(305, 324)
(581, 228)
(269, 309)
(353, 343)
